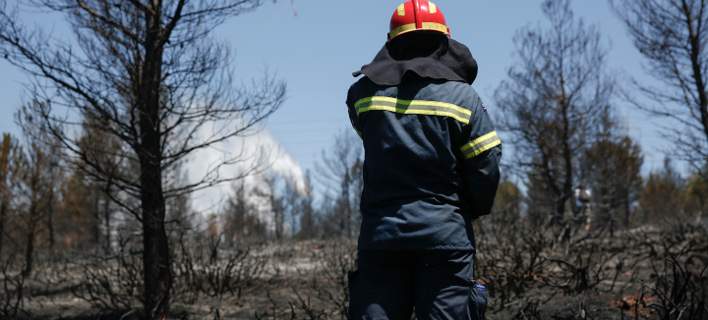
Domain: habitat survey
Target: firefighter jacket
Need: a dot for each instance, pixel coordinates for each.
(431, 162)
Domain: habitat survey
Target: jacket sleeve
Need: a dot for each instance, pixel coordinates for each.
(353, 117)
(480, 157)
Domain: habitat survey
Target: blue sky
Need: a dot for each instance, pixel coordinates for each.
(315, 45)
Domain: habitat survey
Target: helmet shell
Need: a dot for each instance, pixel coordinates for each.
(416, 15)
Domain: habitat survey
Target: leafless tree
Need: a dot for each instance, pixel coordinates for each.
(539, 199)
(272, 193)
(341, 175)
(554, 97)
(87, 215)
(4, 192)
(612, 170)
(283, 198)
(100, 206)
(181, 216)
(33, 184)
(292, 198)
(241, 222)
(25, 200)
(45, 155)
(159, 83)
(308, 219)
(663, 191)
(37, 169)
(672, 36)
(697, 198)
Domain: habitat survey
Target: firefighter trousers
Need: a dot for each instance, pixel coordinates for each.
(434, 284)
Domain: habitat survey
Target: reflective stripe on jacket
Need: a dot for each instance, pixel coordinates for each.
(431, 163)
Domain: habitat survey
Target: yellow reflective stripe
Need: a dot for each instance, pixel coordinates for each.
(401, 30)
(422, 107)
(479, 140)
(484, 148)
(480, 145)
(444, 105)
(402, 10)
(434, 26)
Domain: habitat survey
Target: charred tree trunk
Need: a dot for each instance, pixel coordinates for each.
(150, 76)
(557, 218)
(553, 102)
(29, 247)
(568, 168)
(627, 211)
(346, 206)
(156, 258)
(3, 213)
(50, 219)
(33, 217)
(4, 165)
(96, 223)
(107, 225)
(697, 67)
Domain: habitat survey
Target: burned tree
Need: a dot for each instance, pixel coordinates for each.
(37, 166)
(306, 206)
(45, 164)
(282, 197)
(241, 223)
(99, 206)
(4, 189)
(341, 172)
(663, 192)
(86, 201)
(552, 102)
(612, 170)
(672, 36)
(33, 191)
(160, 85)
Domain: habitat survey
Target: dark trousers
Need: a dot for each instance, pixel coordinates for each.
(434, 284)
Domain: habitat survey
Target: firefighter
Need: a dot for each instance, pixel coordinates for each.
(431, 168)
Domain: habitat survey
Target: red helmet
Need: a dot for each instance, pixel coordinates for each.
(414, 15)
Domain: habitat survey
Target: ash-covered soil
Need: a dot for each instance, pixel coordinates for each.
(638, 274)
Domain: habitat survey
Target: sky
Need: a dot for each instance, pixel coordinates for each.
(315, 45)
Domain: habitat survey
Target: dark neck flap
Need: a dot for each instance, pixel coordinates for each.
(452, 61)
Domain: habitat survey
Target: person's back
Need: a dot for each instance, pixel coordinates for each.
(413, 184)
(430, 169)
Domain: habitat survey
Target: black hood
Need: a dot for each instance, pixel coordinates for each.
(451, 61)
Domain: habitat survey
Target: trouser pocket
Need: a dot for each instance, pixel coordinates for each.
(478, 301)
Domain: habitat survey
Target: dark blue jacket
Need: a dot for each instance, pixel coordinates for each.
(431, 163)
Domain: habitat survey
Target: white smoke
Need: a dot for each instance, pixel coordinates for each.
(259, 150)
